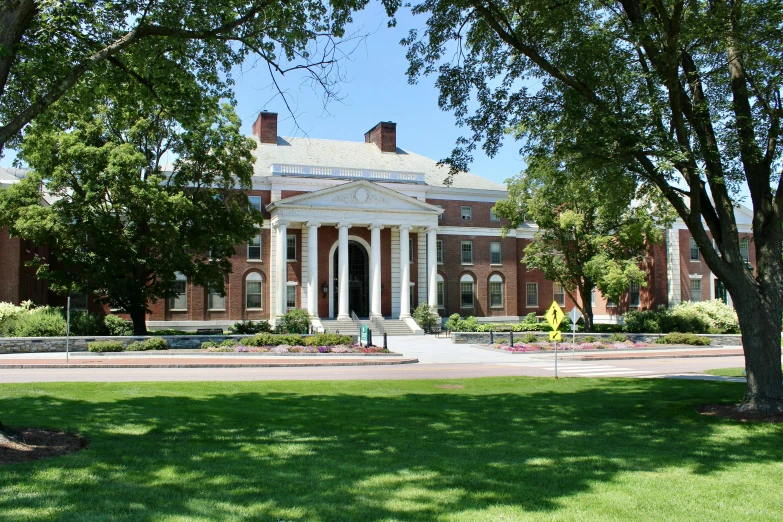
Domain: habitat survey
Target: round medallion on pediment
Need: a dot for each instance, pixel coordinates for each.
(362, 195)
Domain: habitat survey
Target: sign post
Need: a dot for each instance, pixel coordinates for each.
(554, 316)
(68, 329)
(365, 335)
(574, 315)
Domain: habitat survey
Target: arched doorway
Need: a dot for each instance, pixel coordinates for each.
(358, 279)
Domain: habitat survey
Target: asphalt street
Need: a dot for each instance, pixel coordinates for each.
(438, 359)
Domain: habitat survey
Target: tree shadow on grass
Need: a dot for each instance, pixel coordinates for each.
(328, 453)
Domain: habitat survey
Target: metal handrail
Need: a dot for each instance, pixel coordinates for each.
(356, 320)
(376, 322)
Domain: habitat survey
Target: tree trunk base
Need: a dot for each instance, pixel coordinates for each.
(761, 406)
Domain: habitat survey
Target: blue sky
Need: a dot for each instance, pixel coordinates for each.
(376, 90)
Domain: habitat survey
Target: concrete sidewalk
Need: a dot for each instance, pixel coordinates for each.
(163, 361)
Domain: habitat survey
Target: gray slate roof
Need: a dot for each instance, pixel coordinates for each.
(358, 155)
(11, 174)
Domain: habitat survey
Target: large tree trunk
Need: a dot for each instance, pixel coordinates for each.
(139, 318)
(760, 322)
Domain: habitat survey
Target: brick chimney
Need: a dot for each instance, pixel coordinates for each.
(265, 127)
(384, 135)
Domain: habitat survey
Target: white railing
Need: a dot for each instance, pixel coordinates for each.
(280, 169)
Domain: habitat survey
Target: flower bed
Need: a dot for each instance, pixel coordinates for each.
(284, 349)
(544, 346)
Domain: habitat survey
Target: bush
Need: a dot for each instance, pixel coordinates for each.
(324, 339)
(642, 321)
(531, 318)
(529, 338)
(607, 328)
(8, 313)
(147, 344)
(268, 339)
(296, 321)
(116, 325)
(85, 323)
(249, 327)
(688, 317)
(588, 339)
(684, 338)
(718, 316)
(228, 342)
(45, 321)
(617, 338)
(169, 331)
(105, 346)
(209, 344)
(426, 316)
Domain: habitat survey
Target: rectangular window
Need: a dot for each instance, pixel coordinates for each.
(410, 250)
(695, 290)
(496, 294)
(532, 295)
(253, 295)
(412, 296)
(694, 250)
(745, 249)
(610, 303)
(467, 252)
(180, 300)
(466, 294)
(439, 250)
(467, 213)
(216, 301)
(634, 298)
(592, 297)
(291, 247)
(254, 249)
(290, 297)
(441, 296)
(559, 294)
(492, 216)
(78, 301)
(494, 253)
(255, 202)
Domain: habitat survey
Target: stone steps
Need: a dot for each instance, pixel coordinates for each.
(347, 327)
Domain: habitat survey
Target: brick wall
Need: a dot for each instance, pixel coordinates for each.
(10, 265)
(452, 215)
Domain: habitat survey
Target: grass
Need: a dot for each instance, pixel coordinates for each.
(727, 372)
(495, 449)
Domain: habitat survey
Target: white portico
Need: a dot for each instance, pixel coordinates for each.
(344, 274)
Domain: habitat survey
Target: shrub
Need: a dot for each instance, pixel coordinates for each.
(147, 344)
(267, 339)
(528, 339)
(531, 318)
(588, 339)
(642, 321)
(684, 338)
(169, 331)
(426, 316)
(116, 325)
(45, 321)
(157, 344)
(209, 344)
(250, 327)
(717, 315)
(8, 313)
(135, 346)
(452, 322)
(228, 342)
(617, 338)
(295, 321)
(607, 328)
(324, 339)
(85, 323)
(105, 346)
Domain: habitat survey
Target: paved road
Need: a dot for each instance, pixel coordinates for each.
(439, 359)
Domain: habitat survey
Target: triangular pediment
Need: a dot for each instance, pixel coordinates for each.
(357, 195)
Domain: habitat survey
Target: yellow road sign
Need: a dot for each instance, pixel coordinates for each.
(554, 316)
(555, 336)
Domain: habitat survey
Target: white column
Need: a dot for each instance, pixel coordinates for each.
(282, 265)
(405, 272)
(432, 267)
(375, 269)
(312, 268)
(342, 271)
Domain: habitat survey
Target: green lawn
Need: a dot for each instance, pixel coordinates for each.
(497, 449)
(727, 372)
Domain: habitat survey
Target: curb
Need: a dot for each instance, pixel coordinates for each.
(685, 356)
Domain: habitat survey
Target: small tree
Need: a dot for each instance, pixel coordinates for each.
(587, 237)
(426, 316)
(121, 226)
(295, 321)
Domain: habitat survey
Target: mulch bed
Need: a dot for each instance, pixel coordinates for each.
(729, 411)
(34, 444)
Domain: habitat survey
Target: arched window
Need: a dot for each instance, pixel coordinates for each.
(254, 291)
(441, 292)
(466, 291)
(179, 301)
(496, 291)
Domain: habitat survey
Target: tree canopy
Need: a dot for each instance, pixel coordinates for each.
(121, 223)
(685, 96)
(47, 48)
(589, 236)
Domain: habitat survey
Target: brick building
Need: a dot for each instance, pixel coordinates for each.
(349, 226)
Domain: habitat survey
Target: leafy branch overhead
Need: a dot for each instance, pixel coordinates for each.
(47, 48)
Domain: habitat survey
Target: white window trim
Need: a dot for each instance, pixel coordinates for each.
(180, 277)
(439, 242)
(260, 249)
(461, 252)
(690, 256)
(630, 304)
(209, 293)
(462, 213)
(496, 279)
(296, 250)
(526, 294)
(554, 294)
(260, 279)
(490, 253)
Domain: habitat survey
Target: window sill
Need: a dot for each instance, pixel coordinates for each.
(216, 309)
(497, 307)
(463, 307)
(531, 306)
(254, 309)
(255, 260)
(695, 260)
(178, 310)
(291, 260)
(467, 264)
(496, 264)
